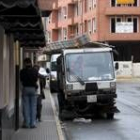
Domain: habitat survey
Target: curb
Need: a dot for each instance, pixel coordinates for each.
(58, 125)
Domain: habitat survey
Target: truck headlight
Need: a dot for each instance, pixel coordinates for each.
(69, 87)
(113, 85)
(53, 78)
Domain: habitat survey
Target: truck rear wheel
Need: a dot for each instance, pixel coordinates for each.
(52, 90)
(61, 101)
(110, 116)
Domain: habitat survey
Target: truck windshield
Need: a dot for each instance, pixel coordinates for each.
(90, 66)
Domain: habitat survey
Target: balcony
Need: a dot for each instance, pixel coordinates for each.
(77, 19)
(61, 23)
(72, 1)
(66, 2)
(122, 37)
(122, 11)
(53, 26)
(46, 4)
(70, 21)
(55, 5)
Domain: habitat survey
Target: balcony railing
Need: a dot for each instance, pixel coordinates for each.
(122, 11)
(122, 36)
(46, 4)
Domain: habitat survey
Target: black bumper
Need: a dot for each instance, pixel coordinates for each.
(100, 98)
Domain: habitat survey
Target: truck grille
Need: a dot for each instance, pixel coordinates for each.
(91, 87)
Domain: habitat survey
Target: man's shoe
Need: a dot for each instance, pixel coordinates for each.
(39, 120)
(25, 126)
(33, 126)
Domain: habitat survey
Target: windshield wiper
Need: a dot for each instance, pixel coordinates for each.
(79, 79)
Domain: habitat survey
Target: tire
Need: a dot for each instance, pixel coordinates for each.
(110, 116)
(61, 117)
(52, 90)
(61, 101)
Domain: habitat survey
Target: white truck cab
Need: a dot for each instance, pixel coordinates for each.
(86, 81)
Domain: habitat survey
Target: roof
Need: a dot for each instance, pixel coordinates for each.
(23, 19)
(78, 42)
(87, 50)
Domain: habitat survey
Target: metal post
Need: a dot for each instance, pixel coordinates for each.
(0, 124)
(17, 86)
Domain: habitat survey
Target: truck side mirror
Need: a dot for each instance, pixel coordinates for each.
(116, 66)
(47, 70)
(115, 52)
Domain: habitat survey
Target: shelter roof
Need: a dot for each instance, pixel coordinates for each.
(23, 19)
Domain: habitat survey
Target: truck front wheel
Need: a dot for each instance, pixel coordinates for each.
(61, 101)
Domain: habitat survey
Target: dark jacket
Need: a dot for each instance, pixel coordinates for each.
(28, 77)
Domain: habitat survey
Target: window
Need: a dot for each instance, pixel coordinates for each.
(81, 28)
(93, 25)
(49, 20)
(64, 11)
(112, 25)
(78, 9)
(127, 24)
(49, 37)
(76, 30)
(89, 27)
(114, 3)
(59, 15)
(64, 34)
(45, 23)
(85, 26)
(135, 22)
(89, 5)
(94, 3)
(60, 34)
(85, 6)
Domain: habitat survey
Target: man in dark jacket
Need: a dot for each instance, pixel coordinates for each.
(29, 77)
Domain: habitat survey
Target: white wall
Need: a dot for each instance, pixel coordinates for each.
(136, 69)
(125, 69)
(4, 69)
(7, 70)
(1, 66)
(128, 69)
(11, 76)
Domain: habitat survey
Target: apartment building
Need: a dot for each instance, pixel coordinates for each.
(115, 22)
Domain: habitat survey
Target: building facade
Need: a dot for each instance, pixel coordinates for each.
(20, 27)
(115, 22)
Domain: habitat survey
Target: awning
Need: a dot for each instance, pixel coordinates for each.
(23, 19)
(77, 42)
(71, 43)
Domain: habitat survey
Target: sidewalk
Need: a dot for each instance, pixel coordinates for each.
(48, 129)
(124, 79)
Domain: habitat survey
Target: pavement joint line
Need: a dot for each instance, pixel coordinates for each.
(59, 129)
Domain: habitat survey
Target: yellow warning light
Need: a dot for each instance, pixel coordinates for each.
(125, 1)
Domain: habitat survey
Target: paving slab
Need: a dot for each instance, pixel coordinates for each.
(47, 129)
